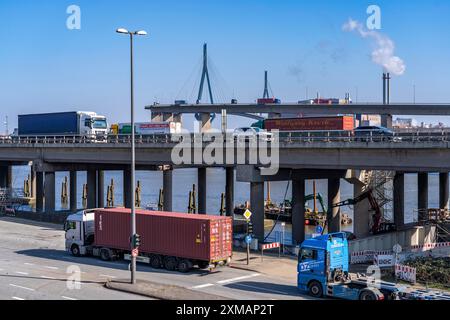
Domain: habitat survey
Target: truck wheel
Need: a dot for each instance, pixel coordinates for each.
(203, 264)
(75, 250)
(170, 263)
(105, 254)
(184, 266)
(315, 289)
(155, 262)
(368, 295)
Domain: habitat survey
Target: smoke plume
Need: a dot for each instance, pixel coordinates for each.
(383, 53)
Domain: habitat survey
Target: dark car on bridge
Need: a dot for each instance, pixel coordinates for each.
(375, 133)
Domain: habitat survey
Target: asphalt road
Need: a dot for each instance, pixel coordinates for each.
(35, 266)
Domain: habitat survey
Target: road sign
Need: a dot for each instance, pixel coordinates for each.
(248, 239)
(319, 229)
(397, 248)
(134, 253)
(247, 214)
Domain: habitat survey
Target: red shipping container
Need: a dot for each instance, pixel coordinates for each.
(311, 123)
(196, 237)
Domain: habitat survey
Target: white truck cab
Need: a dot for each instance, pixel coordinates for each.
(80, 230)
(92, 124)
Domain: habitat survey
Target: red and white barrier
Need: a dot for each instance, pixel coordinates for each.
(406, 273)
(271, 245)
(430, 246)
(366, 256)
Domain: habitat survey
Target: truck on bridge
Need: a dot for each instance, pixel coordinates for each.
(76, 123)
(175, 241)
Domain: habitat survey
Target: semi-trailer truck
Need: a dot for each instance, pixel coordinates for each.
(326, 123)
(175, 241)
(147, 128)
(76, 123)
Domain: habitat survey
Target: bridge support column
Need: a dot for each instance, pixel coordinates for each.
(229, 191)
(202, 193)
(100, 189)
(49, 189)
(168, 190)
(91, 189)
(73, 191)
(6, 177)
(39, 191)
(361, 214)
(127, 189)
(386, 121)
(33, 183)
(422, 194)
(257, 208)
(298, 211)
(334, 196)
(443, 190)
(205, 122)
(399, 199)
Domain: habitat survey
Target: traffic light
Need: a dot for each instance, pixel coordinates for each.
(136, 241)
(250, 228)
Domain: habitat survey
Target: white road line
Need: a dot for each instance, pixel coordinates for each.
(68, 298)
(262, 289)
(203, 286)
(50, 278)
(20, 287)
(106, 276)
(17, 298)
(28, 264)
(22, 273)
(238, 278)
(52, 268)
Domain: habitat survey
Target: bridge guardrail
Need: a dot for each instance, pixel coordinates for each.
(291, 137)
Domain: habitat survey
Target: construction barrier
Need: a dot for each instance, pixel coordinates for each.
(430, 246)
(366, 256)
(270, 246)
(405, 273)
(384, 260)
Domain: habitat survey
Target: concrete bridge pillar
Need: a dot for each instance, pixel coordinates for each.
(361, 214)
(202, 193)
(33, 183)
(386, 121)
(91, 189)
(229, 191)
(422, 194)
(73, 191)
(298, 211)
(205, 121)
(6, 176)
(100, 189)
(168, 190)
(157, 117)
(39, 191)
(399, 199)
(257, 209)
(49, 189)
(443, 190)
(127, 188)
(334, 196)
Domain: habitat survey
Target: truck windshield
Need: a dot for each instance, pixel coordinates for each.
(308, 254)
(99, 124)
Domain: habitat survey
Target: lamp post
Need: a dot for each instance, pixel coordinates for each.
(133, 155)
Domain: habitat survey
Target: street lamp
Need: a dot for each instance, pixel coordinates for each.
(133, 156)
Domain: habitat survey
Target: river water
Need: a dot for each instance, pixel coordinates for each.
(183, 179)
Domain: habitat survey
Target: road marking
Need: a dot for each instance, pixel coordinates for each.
(52, 268)
(20, 287)
(28, 264)
(263, 289)
(238, 278)
(106, 276)
(68, 298)
(22, 273)
(50, 278)
(203, 286)
(17, 298)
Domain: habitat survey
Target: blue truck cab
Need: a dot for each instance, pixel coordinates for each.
(323, 270)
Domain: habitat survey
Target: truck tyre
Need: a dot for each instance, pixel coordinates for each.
(203, 264)
(75, 250)
(105, 254)
(184, 266)
(368, 295)
(315, 289)
(170, 263)
(155, 262)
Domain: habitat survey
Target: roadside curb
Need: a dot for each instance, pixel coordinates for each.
(161, 292)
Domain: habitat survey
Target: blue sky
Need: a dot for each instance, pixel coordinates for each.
(46, 67)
